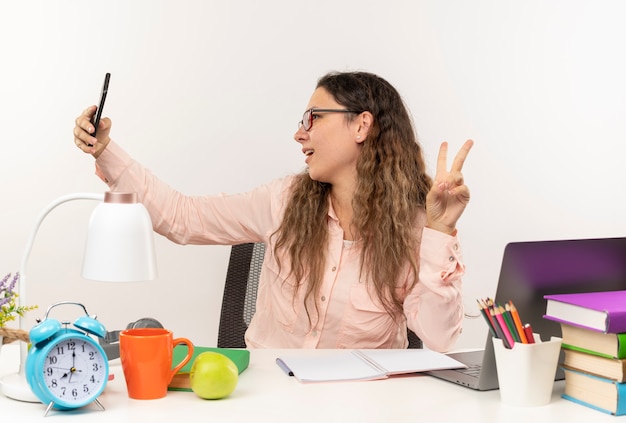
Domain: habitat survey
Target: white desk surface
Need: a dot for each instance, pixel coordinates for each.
(265, 393)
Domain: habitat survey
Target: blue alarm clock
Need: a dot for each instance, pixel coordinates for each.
(66, 368)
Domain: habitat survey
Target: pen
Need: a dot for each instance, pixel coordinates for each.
(529, 333)
(284, 367)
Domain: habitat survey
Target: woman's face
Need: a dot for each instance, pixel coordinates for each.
(332, 144)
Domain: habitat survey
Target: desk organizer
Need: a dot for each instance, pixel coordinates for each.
(526, 372)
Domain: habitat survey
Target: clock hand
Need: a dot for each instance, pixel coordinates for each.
(73, 369)
(69, 373)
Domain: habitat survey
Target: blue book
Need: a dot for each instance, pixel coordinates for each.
(599, 393)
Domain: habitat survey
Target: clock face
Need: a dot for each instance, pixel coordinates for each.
(74, 371)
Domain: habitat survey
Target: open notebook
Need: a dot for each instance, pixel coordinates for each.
(531, 270)
(344, 365)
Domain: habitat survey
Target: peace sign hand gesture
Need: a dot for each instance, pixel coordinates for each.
(449, 195)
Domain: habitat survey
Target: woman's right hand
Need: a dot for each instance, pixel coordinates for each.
(83, 130)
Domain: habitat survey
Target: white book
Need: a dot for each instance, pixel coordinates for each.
(344, 365)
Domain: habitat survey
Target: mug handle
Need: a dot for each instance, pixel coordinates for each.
(185, 360)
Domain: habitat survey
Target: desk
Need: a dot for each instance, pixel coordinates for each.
(265, 393)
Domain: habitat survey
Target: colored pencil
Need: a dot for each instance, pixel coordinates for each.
(511, 321)
(504, 331)
(506, 314)
(487, 316)
(518, 323)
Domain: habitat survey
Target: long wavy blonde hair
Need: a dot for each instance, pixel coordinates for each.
(391, 190)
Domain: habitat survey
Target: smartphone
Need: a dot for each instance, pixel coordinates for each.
(95, 119)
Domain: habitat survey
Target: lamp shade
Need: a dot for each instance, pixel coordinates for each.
(120, 241)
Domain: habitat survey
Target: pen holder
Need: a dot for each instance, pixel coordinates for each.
(526, 372)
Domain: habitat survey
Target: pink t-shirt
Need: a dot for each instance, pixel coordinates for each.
(349, 315)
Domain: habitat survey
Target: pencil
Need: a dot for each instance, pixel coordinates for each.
(487, 317)
(503, 333)
(518, 322)
(508, 318)
(506, 315)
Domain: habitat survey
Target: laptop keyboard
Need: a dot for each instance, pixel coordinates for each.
(471, 370)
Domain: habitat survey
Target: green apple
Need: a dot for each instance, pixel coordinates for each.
(213, 375)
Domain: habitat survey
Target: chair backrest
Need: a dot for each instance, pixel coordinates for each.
(239, 302)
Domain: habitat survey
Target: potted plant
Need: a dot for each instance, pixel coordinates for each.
(10, 310)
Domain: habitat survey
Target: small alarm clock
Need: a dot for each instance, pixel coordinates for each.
(67, 368)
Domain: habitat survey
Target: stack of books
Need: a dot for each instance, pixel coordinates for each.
(593, 329)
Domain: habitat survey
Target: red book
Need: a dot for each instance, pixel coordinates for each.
(599, 311)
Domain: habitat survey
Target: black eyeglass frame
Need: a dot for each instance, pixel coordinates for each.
(307, 121)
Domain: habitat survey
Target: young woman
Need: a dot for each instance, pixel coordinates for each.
(360, 245)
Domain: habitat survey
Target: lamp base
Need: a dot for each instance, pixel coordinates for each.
(16, 387)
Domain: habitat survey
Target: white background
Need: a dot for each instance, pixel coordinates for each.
(207, 94)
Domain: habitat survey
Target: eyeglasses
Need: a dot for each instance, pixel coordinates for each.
(307, 117)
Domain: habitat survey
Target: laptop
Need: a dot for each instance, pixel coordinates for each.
(531, 270)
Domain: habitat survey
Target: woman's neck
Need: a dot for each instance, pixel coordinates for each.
(342, 204)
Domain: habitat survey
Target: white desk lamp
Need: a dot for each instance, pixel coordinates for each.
(119, 248)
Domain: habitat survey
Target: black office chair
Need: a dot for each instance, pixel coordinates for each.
(239, 302)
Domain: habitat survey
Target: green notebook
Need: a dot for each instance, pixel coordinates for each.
(180, 381)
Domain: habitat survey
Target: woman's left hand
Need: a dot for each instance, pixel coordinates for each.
(449, 195)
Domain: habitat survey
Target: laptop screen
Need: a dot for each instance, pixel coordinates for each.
(533, 269)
